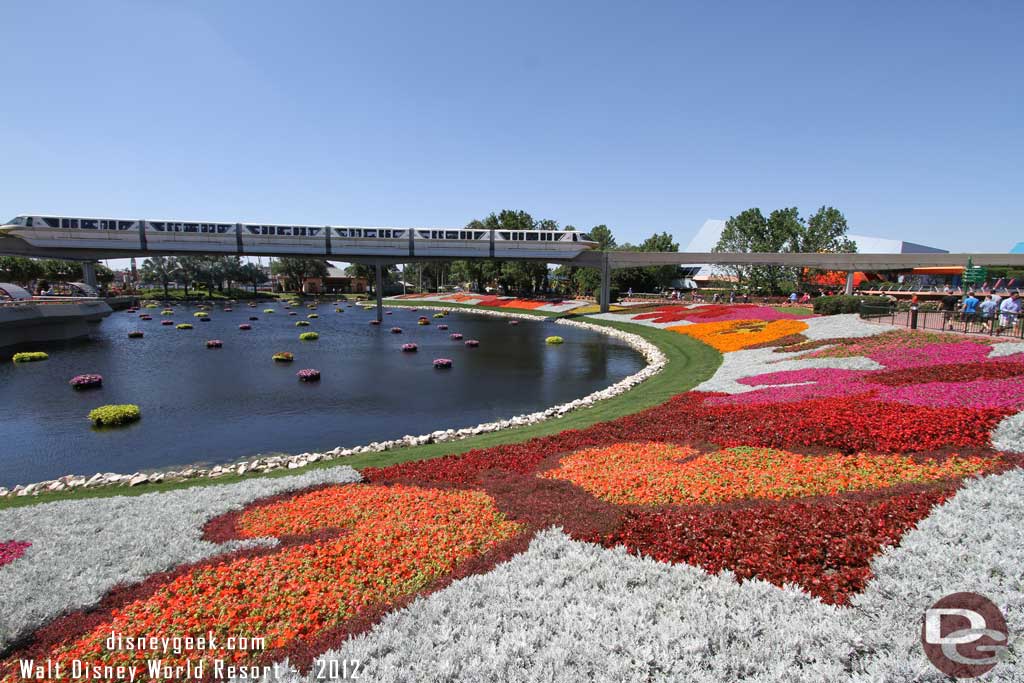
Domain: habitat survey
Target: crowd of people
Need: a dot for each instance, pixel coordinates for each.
(995, 313)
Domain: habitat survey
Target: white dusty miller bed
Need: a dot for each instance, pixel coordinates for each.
(656, 361)
(82, 548)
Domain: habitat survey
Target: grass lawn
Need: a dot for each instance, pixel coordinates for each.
(689, 363)
(413, 303)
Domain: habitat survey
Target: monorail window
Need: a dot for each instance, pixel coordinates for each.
(532, 235)
(52, 222)
(341, 232)
(87, 224)
(125, 225)
(369, 233)
(313, 232)
(157, 225)
(503, 235)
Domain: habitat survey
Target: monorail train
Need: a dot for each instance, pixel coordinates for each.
(159, 236)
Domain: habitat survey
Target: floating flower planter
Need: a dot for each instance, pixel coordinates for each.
(29, 357)
(309, 336)
(245, 326)
(455, 336)
(152, 306)
(205, 320)
(166, 322)
(338, 310)
(312, 316)
(113, 415)
(228, 310)
(214, 344)
(284, 356)
(145, 317)
(86, 381)
(554, 340)
(513, 322)
(184, 326)
(410, 348)
(375, 322)
(200, 314)
(136, 334)
(422, 321)
(442, 362)
(388, 312)
(396, 330)
(472, 343)
(292, 313)
(439, 315)
(308, 375)
(301, 323)
(254, 317)
(167, 311)
(268, 310)
(442, 327)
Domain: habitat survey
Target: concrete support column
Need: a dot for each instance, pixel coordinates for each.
(849, 283)
(606, 284)
(89, 273)
(378, 288)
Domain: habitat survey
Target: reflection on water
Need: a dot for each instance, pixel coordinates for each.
(216, 406)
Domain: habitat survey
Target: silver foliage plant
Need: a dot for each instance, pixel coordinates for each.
(82, 548)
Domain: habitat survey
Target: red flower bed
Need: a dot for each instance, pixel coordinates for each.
(952, 372)
(825, 546)
(716, 313)
(12, 550)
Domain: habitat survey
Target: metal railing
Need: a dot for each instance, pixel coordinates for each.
(945, 321)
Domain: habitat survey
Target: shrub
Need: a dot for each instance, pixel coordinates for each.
(309, 336)
(29, 356)
(834, 305)
(111, 415)
(184, 326)
(554, 340)
(284, 356)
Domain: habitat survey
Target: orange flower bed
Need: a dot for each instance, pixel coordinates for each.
(662, 474)
(734, 335)
(518, 303)
(400, 538)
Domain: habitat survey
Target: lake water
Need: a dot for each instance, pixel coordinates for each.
(222, 405)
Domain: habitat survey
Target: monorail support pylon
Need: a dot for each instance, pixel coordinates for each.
(606, 283)
(89, 274)
(378, 289)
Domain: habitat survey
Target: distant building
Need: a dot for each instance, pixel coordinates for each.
(335, 282)
(1018, 248)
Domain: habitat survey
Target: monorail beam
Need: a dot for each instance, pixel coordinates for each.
(379, 290)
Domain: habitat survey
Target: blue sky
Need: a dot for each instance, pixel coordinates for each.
(644, 116)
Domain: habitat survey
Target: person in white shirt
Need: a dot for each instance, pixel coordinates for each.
(1009, 310)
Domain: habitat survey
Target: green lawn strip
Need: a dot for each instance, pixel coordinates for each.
(690, 363)
(415, 303)
(793, 309)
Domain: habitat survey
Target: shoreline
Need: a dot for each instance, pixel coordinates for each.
(655, 363)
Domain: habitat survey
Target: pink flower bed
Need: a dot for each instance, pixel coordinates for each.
(716, 313)
(12, 550)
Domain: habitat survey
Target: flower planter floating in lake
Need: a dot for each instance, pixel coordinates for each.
(410, 348)
(513, 322)
(214, 344)
(166, 322)
(396, 330)
(254, 317)
(301, 323)
(228, 310)
(309, 336)
(308, 375)
(472, 343)
(114, 415)
(442, 327)
(442, 363)
(184, 326)
(86, 381)
(245, 326)
(284, 356)
(167, 311)
(312, 316)
(29, 357)
(292, 313)
(455, 336)
(440, 315)
(268, 310)
(200, 314)
(422, 321)
(375, 322)
(145, 317)
(554, 340)
(136, 334)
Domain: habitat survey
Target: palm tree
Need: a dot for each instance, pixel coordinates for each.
(252, 274)
(160, 269)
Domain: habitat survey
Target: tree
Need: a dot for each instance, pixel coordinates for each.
(297, 269)
(19, 270)
(104, 275)
(252, 274)
(61, 271)
(650, 278)
(602, 234)
(159, 269)
(783, 231)
(588, 280)
(188, 270)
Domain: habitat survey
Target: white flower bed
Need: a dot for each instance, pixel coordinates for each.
(748, 363)
(1009, 434)
(1006, 349)
(571, 611)
(656, 361)
(82, 548)
(845, 325)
